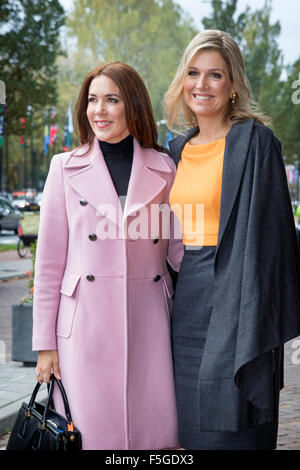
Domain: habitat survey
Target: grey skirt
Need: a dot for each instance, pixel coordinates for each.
(190, 320)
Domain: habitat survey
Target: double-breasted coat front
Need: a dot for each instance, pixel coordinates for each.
(103, 297)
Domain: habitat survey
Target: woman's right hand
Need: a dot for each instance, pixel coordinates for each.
(47, 363)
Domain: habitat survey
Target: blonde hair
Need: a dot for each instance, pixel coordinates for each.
(179, 114)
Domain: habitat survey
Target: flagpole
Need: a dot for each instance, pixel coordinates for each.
(2, 123)
(46, 137)
(32, 159)
(7, 163)
(23, 143)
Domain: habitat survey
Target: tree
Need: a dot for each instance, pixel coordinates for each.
(223, 18)
(149, 35)
(288, 117)
(29, 45)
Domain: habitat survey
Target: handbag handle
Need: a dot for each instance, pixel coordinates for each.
(53, 379)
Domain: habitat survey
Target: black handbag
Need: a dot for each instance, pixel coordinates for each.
(40, 427)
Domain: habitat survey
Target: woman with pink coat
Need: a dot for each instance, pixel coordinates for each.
(103, 291)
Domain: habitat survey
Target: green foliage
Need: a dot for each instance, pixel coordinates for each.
(223, 18)
(149, 35)
(8, 247)
(288, 116)
(29, 45)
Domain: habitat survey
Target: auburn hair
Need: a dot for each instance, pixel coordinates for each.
(138, 109)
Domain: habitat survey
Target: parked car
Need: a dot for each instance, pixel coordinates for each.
(9, 216)
(20, 202)
(7, 196)
(25, 200)
(38, 198)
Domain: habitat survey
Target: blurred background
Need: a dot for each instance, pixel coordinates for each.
(48, 46)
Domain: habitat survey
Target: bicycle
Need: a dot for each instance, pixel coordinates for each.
(24, 242)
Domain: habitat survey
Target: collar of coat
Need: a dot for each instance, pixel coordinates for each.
(90, 177)
(237, 144)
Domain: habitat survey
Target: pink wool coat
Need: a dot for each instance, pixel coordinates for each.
(105, 303)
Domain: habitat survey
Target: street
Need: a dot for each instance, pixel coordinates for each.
(7, 238)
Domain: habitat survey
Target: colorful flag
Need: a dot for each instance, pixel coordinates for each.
(53, 132)
(53, 112)
(168, 138)
(22, 136)
(68, 129)
(46, 132)
(53, 127)
(2, 123)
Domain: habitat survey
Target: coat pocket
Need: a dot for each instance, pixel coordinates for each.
(68, 303)
(168, 292)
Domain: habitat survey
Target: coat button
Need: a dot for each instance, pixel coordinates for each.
(90, 277)
(156, 240)
(83, 202)
(157, 278)
(92, 237)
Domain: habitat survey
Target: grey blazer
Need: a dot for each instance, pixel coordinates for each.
(256, 305)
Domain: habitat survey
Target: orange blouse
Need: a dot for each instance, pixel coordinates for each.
(196, 193)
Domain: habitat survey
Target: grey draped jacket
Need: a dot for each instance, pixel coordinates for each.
(256, 305)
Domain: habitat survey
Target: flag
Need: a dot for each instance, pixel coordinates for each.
(53, 127)
(68, 129)
(53, 132)
(53, 112)
(46, 132)
(168, 138)
(2, 122)
(22, 136)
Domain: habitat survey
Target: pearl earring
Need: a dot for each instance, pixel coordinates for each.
(233, 97)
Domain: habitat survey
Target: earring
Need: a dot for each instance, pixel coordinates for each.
(233, 97)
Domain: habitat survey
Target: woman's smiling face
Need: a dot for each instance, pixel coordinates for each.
(207, 86)
(106, 110)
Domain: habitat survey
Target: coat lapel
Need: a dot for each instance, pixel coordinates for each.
(90, 177)
(235, 156)
(145, 183)
(236, 150)
(176, 145)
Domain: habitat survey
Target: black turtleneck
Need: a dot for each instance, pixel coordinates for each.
(118, 158)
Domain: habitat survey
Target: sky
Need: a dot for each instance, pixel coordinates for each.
(287, 11)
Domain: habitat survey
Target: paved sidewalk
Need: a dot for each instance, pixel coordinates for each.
(16, 385)
(17, 381)
(12, 266)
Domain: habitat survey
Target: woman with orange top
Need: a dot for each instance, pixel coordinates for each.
(237, 299)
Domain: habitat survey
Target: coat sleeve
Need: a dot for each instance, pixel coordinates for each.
(270, 300)
(50, 262)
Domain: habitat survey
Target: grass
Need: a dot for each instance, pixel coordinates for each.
(8, 247)
(30, 226)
